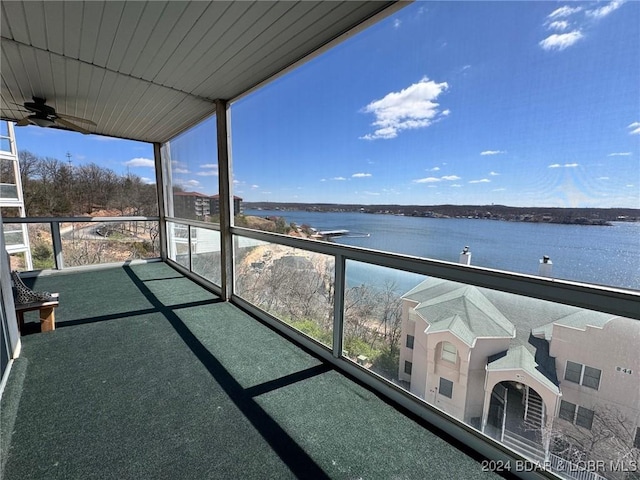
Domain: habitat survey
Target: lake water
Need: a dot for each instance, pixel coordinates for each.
(594, 254)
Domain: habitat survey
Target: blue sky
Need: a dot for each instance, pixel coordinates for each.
(516, 103)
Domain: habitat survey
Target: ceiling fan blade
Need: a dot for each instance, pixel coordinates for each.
(23, 123)
(70, 125)
(76, 119)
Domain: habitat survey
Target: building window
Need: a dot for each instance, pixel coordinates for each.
(567, 411)
(573, 372)
(584, 417)
(581, 416)
(446, 387)
(591, 377)
(583, 375)
(449, 352)
(410, 339)
(407, 367)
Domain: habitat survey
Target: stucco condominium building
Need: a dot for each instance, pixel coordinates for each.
(198, 206)
(516, 367)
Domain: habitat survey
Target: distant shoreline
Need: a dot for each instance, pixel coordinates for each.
(557, 215)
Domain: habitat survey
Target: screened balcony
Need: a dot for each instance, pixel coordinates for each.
(222, 351)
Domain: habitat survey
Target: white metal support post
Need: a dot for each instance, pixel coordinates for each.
(161, 192)
(226, 199)
(338, 305)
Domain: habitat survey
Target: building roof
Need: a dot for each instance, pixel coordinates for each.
(519, 358)
(580, 320)
(148, 70)
(462, 309)
(524, 313)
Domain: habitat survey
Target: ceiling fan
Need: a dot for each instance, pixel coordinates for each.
(43, 115)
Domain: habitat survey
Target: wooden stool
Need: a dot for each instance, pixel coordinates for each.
(47, 313)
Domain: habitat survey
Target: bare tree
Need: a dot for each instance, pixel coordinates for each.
(610, 440)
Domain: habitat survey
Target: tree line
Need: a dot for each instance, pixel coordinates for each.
(55, 188)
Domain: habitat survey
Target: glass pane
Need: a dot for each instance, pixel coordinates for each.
(584, 418)
(296, 286)
(35, 235)
(567, 411)
(573, 372)
(191, 168)
(591, 377)
(512, 353)
(7, 174)
(446, 387)
(449, 352)
(410, 339)
(205, 254)
(476, 147)
(108, 242)
(69, 174)
(373, 317)
(178, 238)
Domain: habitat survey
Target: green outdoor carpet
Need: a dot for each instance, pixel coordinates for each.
(149, 376)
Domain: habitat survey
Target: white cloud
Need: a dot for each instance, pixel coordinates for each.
(427, 180)
(606, 10)
(603, 178)
(483, 180)
(209, 165)
(396, 23)
(435, 169)
(338, 178)
(559, 25)
(446, 113)
(208, 173)
(563, 12)
(498, 190)
(456, 185)
(180, 170)
(449, 178)
(566, 165)
(360, 175)
(492, 152)
(370, 193)
(255, 186)
(561, 41)
(634, 128)
(140, 162)
(411, 108)
(493, 174)
(147, 180)
(619, 154)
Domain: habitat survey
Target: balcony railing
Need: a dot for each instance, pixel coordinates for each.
(62, 242)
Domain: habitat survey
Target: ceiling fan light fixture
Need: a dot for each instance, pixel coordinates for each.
(41, 121)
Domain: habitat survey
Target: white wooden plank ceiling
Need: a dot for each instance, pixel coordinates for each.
(146, 70)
